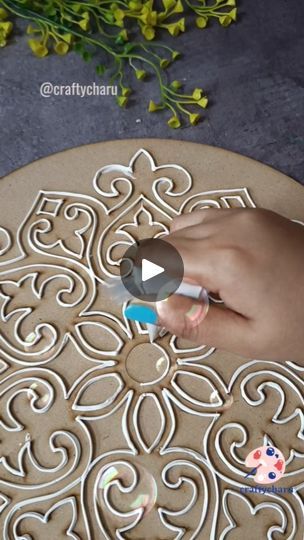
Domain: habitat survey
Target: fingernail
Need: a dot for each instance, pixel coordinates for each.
(141, 314)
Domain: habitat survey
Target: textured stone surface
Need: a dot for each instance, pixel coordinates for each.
(253, 73)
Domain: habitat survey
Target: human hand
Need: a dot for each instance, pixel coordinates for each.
(254, 260)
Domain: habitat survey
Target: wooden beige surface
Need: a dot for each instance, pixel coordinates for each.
(85, 397)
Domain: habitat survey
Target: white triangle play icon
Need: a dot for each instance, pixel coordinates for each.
(149, 270)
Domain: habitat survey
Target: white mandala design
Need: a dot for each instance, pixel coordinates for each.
(75, 404)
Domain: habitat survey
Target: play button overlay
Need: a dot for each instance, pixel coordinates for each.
(151, 270)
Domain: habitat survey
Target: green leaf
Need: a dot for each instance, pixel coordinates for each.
(119, 40)
(110, 17)
(100, 70)
(128, 48)
(50, 11)
(76, 7)
(124, 34)
(79, 47)
(87, 56)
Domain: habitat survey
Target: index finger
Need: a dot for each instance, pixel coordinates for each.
(199, 259)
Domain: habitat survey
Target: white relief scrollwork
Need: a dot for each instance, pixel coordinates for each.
(155, 406)
(30, 333)
(98, 385)
(124, 492)
(163, 180)
(42, 458)
(27, 519)
(4, 502)
(284, 512)
(184, 479)
(5, 241)
(220, 198)
(262, 385)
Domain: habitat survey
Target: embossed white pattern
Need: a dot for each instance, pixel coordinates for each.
(72, 408)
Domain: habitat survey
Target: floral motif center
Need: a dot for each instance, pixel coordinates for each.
(147, 364)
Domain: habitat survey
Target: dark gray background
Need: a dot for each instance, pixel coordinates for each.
(252, 71)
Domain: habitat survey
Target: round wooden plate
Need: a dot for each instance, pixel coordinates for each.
(102, 434)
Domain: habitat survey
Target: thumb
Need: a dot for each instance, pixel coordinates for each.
(219, 327)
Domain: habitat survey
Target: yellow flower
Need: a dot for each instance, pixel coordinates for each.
(122, 101)
(148, 32)
(233, 14)
(140, 74)
(194, 118)
(3, 14)
(168, 4)
(38, 48)
(164, 63)
(181, 24)
(119, 15)
(179, 8)
(203, 102)
(84, 24)
(176, 85)
(225, 20)
(134, 5)
(124, 34)
(61, 48)
(197, 93)
(68, 38)
(125, 91)
(6, 27)
(174, 122)
(31, 30)
(175, 55)
(201, 22)
(153, 107)
(148, 17)
(175, 28)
